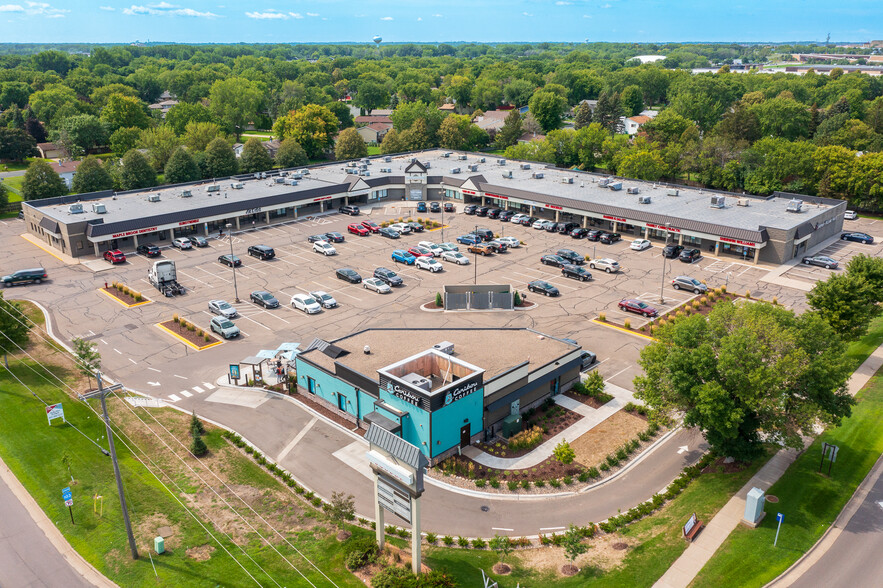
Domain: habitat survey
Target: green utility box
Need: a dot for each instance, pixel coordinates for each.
(159, 545)
(511, 425)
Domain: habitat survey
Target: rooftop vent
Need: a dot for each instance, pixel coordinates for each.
(482, 160)
(351, 164)
(632, 190)
(718, 202)
(643, 200)
(304, 172)
(473, 167)
(278, 180)
(446, 154)
(237, 185)
(385, 170)
(291, 182)
(387, 159)
(566, 180)
(672, 192)
(501, 162)
(186, 193)
(444, 347)
(507, 173)
(603, 182)
(366, 161)
(616, 186)
(213, 188)
(418, 381)
(455, 170)
(795, 205)
(743, 202)
(525, 166)
(537, 175)
(427, 165)
(364, 172)
(297, 176)
(153, 197)
(461, 157)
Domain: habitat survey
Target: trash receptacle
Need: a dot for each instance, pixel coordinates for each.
(159, 545)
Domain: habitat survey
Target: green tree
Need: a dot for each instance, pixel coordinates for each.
(548, 109)
(88, 358)
(160, 142)
(501, 545)
(341, 509)
(343, 114)
(583, 116)
(667, 128)
(312, 126)
(14, 93)
(563, 452)
(632, 101)
(41, 181)
(16, 144)
(46, 103)
(4, 195)
(124, 111)
(588, 143)
(454, 132)
(236, 101)
(196, 426)
(14, 326)
(52, 60)
(198, 447)
(198, 135)
(184, 113)
(122, 140)
(416, 137)
(783, 117)
(101, 95)
(91, 176)
(511, 131)
(220, 161)
(392, 143)
(573, 545)
(80, 133)
(255, 157)
(847, 302)
(407, 113)
(608, 112)
(350, 145)
(291, 154)
(136, 172)
(370, 95)
(518, 92)
(34, 127)
(641, 165)
(746, 369)
(181, 167)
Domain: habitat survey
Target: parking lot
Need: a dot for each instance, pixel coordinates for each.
(151, 361)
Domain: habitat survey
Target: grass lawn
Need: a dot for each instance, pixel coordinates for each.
(858, 351)
(373, 150)
(655, 542)
(810, 501)
(14, 184)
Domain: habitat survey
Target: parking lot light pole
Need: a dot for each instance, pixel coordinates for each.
(232, 263)
(475, 262)
(662, 284)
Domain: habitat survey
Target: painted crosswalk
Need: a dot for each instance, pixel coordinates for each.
(198, 390)
(174, 397)
(185, 393)
(207, 385)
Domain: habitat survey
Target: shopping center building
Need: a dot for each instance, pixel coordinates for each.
(772, 229)
(460, 386)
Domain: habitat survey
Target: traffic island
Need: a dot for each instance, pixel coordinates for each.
(124, 295)
(188, 333)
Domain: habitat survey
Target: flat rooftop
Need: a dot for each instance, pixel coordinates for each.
(494, 350)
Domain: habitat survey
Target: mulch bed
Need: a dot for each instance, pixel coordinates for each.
(324, 411)
(559, 419)
(123, 297)
(569, 570)
(501, 569)
(704, 309)
(191, 336)
(719, 466)
(550, 469)
(587, 400)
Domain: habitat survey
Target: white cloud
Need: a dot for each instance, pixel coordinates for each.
(387, 18)
(419, 18)
(107, 8)
(166, 9)
(41, 9)
(12, 8)
(312, 14)
(587, 16)
(562, 3)
(527, 14)
(163, 5)
(437, 16)
(607, 6)
(266, 15)
(297, 15)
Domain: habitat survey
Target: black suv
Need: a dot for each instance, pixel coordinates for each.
(482, 210)
(507, 215)
(579, 233)
(576, 272)
(529, 221)
(672, 251)
(434, 207)
(334, 237)
(261, 251)
(388, 276)
(148, 250)
(349, 209)
(571, 256)
(449, 207)
(470, 209)
(690, 255)
(26, 276)
(567, 227)
(594, 234)
(543, 288)
(494, 212)
(610, 238)
(485, 234)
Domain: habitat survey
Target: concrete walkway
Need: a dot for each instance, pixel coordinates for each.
(691, 562)
(592, 417)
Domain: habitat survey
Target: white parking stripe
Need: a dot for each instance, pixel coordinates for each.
(198, 390)
(185, 393)
(209, 386)
(174, 397)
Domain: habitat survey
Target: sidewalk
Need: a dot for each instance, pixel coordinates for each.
(691, 562)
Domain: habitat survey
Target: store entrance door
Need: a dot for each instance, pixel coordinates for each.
(464, 436)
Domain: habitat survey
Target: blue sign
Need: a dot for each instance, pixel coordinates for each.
(66, 494)
(234, 371)
(780, 517)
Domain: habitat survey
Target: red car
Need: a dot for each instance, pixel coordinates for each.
(637, 306)
(358, 230)
(373, 227)
(418, 251)
(115, 256)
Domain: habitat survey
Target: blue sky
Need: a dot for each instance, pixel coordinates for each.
(273, 21)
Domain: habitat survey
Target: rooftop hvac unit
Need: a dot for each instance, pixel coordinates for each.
(363, 166)
(795, 205)
(525, 166)
(643, 200)
(461, 157)
(473, 167)
(99, 208)
(291, 182)
(304, 172)
(427, 165)
(482, 160)
(213, 188)
(186, 193)
(672, 192)
(537, 175)
(297, 176)
(455, 170)
(446, 154)
(501, 162)
(603, 182)
(507, 173)
(632, 190)
(385, 170)
(283, 173)
(75, 208)
(387, 159)
(351, 171)
(718, 202)
(566, 180)
(237, 185)
(364, 172)
(153, 197)
(743, 202)
(444, 347)
(278, 180)
(418, 381)
(616, 186)
(263, 175)
(351, 164)
(412, 159)
(366, 161)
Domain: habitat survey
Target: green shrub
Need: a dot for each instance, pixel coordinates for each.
(198, 446)
(512, 484)
(526, 439)
(462, 541)
(448, 540)
(583, 476)
(481, 483)
(439, 301)
(479, 543)
(593, 472)
(525, 484)
(555, 483)
(622, 454)
(612, 460)
(567, 480)
(563, 453)
(517, 298)
(604, 467)
(495, 483)
(539, 483)
(431, 538)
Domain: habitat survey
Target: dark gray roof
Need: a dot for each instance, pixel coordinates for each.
(416, 163)
(803, 230)
(396, 447)
(49, 224)
(329, 349)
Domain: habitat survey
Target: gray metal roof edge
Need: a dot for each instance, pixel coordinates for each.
(68, 199)
(397, 447)
(808, 198)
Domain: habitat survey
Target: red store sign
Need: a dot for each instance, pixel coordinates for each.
(469, 192)
(615, 218)
(130, 233)
(322, 198)
(672, 229)
(188, 222)
(552, 206)
(489, 195)
(738, 242)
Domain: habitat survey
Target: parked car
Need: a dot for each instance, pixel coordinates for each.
(389, 233)
(576, 272)
(230, 260)
(428, 263)
(642, 308)
(821, 261)
(388, 276)
(433, 248)
(402, 256)
(324, 298)
(497, 246)
(688, 283)
(468, 209)
(418, 251)
(566, 228)
(377, 285)
(224, 327)
(314, 238)
(449, 207)
(371, 226)
(609, 238)
(421, 206)
(25, 276)
(857, 237)
(850, 215)
(306, 303)
(510, 242)
(571, 256)
(506, 216)
(689, 255)
(448, 247)
(469, 239)
(640, 244)
(358, 229)
(482, 210)
(261, 251)
(529, 221)
(550, 227)
(586, 360)
(485, 234)
(543, 288)
(538, 224)
(672, 251)
(403, 228)
(494, 212)
(594, 234)
(182, 243)
(608, 265)
(148, 250)
(455, 257)
(222, 307)
(416, 227)
(516, 219)
(553, 260)
(481, 249)
(198, 241)
(579, 233)
(115, 256)
(434, 207)
(264, 298)
(334, 237)
(324, 247)
(349, 209)
(348, 275)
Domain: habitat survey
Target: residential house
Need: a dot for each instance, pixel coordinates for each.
(632, 125)
(66, 170)
(593, 104)
(448, 108)
(163, 106)
(374, 118)
(374, 132)
(52, 151)
(528, 137)
(271, 146)
(492, 120)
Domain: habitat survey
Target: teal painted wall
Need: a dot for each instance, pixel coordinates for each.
(447, 421)
(327, 386)
(415, 425)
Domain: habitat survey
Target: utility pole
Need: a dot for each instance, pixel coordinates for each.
(233, 262)
(101, 393)
(662, 285)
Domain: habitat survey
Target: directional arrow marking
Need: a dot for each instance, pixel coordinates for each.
(153, 383)
(880, 503)
(682, 449)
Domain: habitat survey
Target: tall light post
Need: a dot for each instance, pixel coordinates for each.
(475, 261)
(232, 262)
(662, 284)
(443, 217)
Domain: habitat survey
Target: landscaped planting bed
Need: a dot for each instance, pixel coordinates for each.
(190, 332)
(125, 295)
(549, 418)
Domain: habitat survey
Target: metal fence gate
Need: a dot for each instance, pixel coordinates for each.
(478, 301)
